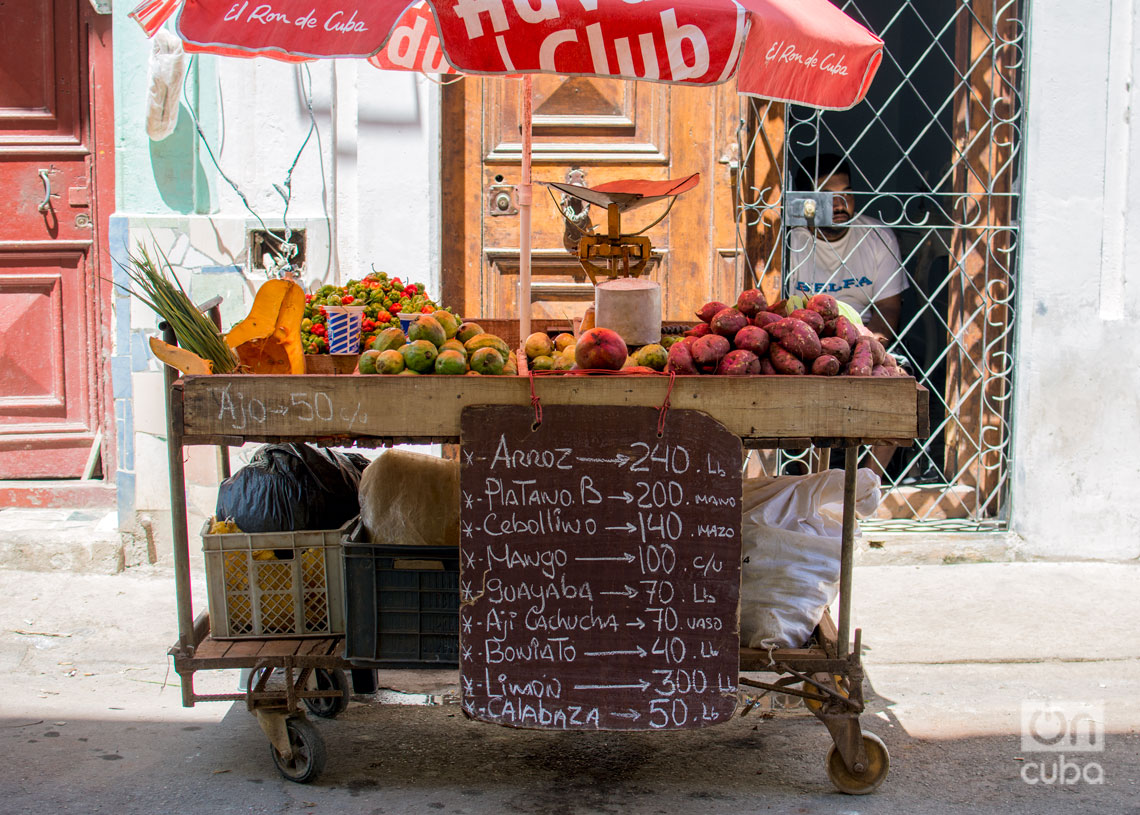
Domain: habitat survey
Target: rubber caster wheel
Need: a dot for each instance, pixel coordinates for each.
(878, 763)
(332, 706)
(309, 754)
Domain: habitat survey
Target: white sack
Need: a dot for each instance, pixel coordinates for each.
(792, 539)
(410, 499)
(165, 70)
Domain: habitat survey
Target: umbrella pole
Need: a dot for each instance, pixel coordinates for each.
(524, 211)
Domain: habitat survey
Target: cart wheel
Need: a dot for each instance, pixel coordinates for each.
(328, 707)
(878, 763)
(309, 753)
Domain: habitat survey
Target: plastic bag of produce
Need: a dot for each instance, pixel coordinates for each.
(287, 487)
(792, 528)
(411, 499)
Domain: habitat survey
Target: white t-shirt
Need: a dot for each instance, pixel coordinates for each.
(860, 268)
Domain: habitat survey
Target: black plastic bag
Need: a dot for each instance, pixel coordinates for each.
(288, 487)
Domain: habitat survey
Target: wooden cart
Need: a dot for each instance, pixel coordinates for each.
(765, 412)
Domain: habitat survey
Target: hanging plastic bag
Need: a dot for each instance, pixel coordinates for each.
(288, 487)
(165, 71)
(792, 536)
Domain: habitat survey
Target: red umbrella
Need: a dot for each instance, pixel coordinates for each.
(802, 51)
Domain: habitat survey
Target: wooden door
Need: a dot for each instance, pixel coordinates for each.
(601, 130)
(50, 363)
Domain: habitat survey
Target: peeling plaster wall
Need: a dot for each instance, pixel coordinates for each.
(1077, 410)
(364, 188)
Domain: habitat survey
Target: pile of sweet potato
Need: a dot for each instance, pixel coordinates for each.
(753, 337)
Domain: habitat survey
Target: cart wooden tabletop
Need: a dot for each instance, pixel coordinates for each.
(764, 411)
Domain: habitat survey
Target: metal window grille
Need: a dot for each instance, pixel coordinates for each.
(935, 155)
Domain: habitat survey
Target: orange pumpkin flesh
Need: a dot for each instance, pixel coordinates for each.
(268, 340)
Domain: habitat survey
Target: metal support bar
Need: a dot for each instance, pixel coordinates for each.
(847, 557)
(178, 508)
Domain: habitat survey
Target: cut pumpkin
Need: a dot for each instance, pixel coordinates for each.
(186, 361)
(268, 340)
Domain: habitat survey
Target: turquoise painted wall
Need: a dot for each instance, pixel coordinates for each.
(174, 176)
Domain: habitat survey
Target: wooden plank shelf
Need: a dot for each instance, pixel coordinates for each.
(790, 411)
(321, 652)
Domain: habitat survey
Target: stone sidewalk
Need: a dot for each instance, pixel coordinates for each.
(952, 653)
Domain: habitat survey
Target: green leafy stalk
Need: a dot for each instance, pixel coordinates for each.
(157, 286)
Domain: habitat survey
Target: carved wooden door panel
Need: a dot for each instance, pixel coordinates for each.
(594, 130)
(48, 360)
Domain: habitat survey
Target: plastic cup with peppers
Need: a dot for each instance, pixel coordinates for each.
(384, 300)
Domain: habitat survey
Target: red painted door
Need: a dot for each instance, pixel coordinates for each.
(51, 406)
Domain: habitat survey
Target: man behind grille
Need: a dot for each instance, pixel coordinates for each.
(856, 260)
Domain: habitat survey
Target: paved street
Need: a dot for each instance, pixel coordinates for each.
(90, 719)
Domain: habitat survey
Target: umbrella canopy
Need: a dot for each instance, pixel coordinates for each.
(802, 51)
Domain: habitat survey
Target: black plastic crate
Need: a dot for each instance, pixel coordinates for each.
(401, 604)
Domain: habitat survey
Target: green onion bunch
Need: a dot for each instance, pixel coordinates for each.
(195, 331)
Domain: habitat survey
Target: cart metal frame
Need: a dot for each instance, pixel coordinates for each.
(767, 412)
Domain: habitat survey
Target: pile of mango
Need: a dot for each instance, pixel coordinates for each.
(596, 349)
(438, 343)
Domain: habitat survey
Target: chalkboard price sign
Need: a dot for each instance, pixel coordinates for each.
(600, 568)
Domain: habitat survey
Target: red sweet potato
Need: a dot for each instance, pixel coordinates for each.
(797, 337)
(829, 328)
(779, 307)
(751, 338)
(810, 317)
(739, 363)
(861, 363)
(785, 362)
(825, 365)
(846, 329)
(878, 352)
(699, 330)
(880, 370)
(751, 302)
(766, 368)
(680, 360)
(824, 305)
(727, 322)
(765, 318)
(709, 310)
(709, 350)
(836, 347)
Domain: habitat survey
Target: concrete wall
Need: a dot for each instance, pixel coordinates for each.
(1076, 447)
(364, 188)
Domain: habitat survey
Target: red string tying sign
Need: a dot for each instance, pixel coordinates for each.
(536, 403)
